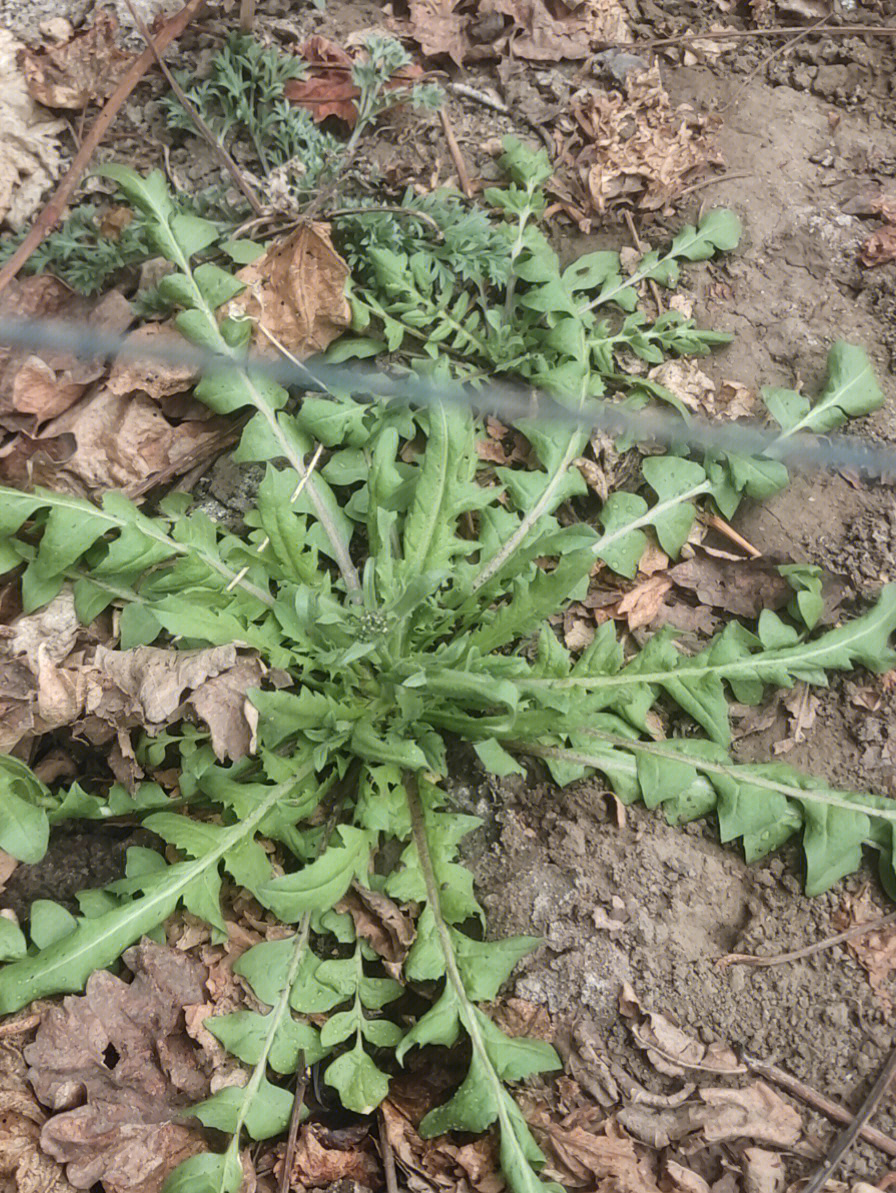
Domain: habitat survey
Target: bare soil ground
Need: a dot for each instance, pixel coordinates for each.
(804, 136)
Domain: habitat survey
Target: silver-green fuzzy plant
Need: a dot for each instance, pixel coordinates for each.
(404, 591)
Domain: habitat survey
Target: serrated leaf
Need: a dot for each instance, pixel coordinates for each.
(321, 883)
(244, 1033)
(208, 1172)
(262, 1108)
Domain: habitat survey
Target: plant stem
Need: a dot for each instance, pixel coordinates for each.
(821, 794)
(465, 1008)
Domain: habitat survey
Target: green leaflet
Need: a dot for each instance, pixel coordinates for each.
(24, 823)
(696, 683)
(763, 804)
(850, 391)
(96, 943)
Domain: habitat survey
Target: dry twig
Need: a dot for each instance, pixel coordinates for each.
(52, 212)
(847, 1138)
(298, 1102)
(456, 156)
(205, 132)
(388, 1156)
(809, 949)
(818, 1102)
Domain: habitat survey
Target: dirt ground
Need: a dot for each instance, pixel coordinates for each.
(804, 137)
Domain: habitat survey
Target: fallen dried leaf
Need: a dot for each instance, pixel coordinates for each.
(536, 30)
(380, 922)
(117, 442)
(153, 681)
(802, 707)
(633, 146)
(755, 1112)
(439, 1162)
(7, 866)
(86, 69)
(154, 377)
(296, 292)
(686, 1180)
(29, 149)
(742, 587)
(671, 1050)
(580, 1157)
(37, 386)
(24, 1168)
(810, 10)
(53, 672)
(119, 1068)
(880, 246)
(687, 381)
(582, 1047)
(318, 1163)
(763, 1171)
(644, 602)
(876, 951)
(329, 90)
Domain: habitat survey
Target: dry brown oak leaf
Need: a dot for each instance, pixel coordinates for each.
(24, 1168)
(85, 69)
(117, 1066)
(296, 293)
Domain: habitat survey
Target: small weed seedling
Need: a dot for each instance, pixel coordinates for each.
(405, 593)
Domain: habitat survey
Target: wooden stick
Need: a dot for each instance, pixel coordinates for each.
(730, 533)
(850, 1134)
(809, 949)
(818, 1101)
(456, 156)
(298, 1101)
(52, 213)
(387, 1155)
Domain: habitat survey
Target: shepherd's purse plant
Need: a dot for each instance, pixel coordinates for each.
(406, 591)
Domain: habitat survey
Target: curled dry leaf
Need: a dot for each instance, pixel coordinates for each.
(155, 681)
(296, 292)
(29, 148)
(382, 923)
(118, 1068)
(536, 30)
(53, 674)
(24, 1168)
(86, 69)
(318, 1162)
(633, 146)
(756, 1113)
(37, 386)
(670, 1049)
(646, 601)
(584, 1153)
(118, 442)
(880, 246)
